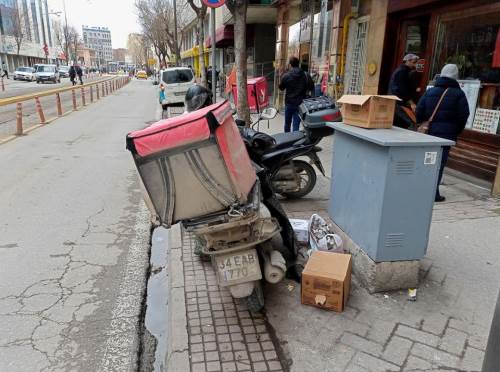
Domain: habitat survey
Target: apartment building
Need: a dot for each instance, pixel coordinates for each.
(99, 39)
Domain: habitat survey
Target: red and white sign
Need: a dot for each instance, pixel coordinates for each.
(213, 3)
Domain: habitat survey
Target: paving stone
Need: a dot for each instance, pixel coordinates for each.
(267, 345)
(417, 335)
(243, 365)
(435, 323)
(380, 331)
(361, 344)
(453, 341)
(373, 364)
(478, 341)
(356, 368)
(240, 355)
(226, 356)
(473, 359)
(213, 366)
(211, 356)
(210, 346)
(197, 357)
(270, 355)
(397, 350)
(415, 364)
(229, 367)
(198, 367)
(275, 366)
(254, 346)
(260, 367)
(436, 357)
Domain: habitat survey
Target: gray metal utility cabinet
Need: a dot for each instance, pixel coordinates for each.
(383, 188)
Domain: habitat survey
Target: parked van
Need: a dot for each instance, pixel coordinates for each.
(47, 73)
(175, 81)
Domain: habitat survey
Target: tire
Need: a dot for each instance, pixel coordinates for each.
(255, 302)
(307, 170)
(38, 81)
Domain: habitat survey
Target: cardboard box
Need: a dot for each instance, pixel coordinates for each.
(326, 280)
(368, 111)
(301, 229)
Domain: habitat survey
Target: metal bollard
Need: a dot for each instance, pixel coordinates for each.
(59, 106)
(91, 94)
(83, 96)
(73, 96)
(103, 94)
(19, 123)
(97, 90)
(40, 110)
(107, 89)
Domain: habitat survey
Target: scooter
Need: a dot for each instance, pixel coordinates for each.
(279, 153)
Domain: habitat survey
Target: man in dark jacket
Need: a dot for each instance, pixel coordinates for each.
(297, 83)
(79, 72)
(451, 115)
(402, 85)
(72, 74)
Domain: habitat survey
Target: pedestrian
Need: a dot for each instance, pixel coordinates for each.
(296, 83)
(5, 72)
(402, 85)
(79, 72)
(72, 74)
(447, 105)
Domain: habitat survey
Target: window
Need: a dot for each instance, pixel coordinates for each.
(35, 21)
(26, 20)
(177, 76)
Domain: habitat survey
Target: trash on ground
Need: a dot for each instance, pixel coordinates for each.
(290, 287)
(412, 294)
(326, 280)
(386, 296)
(322, 238)
(301, 229)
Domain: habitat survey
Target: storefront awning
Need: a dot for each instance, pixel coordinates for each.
(194, 52)
(224, 37)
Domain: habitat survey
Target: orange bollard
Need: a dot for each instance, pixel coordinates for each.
(97, 90)
(107, 89)
(3, 86)
(59, 106)
(91, 94)
(73, 96)
(39, 110)
(83, 96)
(19, 114)
(103, 93)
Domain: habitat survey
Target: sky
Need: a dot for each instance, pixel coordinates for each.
(118, 15)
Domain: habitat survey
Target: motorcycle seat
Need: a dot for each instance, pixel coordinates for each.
(286, 139)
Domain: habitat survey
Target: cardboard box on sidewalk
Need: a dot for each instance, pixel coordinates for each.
(326, 280)
(368, 111)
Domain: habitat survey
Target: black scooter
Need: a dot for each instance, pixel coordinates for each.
(277, 154)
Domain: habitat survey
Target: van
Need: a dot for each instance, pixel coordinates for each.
(47, 73)
(176, 81)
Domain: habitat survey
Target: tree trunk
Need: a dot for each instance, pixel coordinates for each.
(240, 54)
(201, 41)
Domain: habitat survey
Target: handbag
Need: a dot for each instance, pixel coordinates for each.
(425, 126)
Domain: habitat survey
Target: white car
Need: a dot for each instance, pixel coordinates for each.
(175, 81)
(24, 73)
(47, 73)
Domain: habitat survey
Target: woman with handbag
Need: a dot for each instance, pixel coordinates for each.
(443, 112)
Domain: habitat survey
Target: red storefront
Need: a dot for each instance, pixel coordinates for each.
(466, 33)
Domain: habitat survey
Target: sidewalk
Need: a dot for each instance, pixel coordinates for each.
(445, 329)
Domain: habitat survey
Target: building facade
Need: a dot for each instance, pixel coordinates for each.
(119, 54)
(99, 39)
(26, 27)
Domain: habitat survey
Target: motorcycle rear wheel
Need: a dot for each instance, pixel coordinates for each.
(308, 178)
(255, 302)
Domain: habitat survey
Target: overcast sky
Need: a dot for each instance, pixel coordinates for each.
(118, 15)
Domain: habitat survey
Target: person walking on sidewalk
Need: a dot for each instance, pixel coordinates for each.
(79, 72)
(5, 72)
(296, 83)
(449, 117)
(402, 85)
(72, 74)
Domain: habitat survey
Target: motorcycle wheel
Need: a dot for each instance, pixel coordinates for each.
(307, 176)
(255, 302)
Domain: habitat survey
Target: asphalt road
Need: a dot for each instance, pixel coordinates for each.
(74, 240)
(30, 115)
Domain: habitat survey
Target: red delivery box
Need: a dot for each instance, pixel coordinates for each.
(193, 165)
(257, 94)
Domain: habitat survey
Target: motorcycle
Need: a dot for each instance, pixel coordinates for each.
(278, 154)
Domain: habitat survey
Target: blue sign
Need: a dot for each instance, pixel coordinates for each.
(213, 3)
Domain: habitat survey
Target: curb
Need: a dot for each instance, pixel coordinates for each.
(177, 356)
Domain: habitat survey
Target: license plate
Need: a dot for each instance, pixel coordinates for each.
(179, 93)
(238, 267)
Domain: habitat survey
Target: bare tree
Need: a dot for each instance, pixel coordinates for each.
(135, 46)
(201, 13)
(18, 27)
(238, 9)
(64, 36)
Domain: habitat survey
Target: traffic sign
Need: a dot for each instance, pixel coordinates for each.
(46, 49)
(151, 61)
(213, 3)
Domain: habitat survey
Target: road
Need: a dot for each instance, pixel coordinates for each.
(30, 115)
(74, 240)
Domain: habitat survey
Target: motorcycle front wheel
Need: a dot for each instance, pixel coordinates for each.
(255, 302)
(307, 176)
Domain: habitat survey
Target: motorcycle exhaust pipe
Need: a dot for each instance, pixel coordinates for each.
(274, 267)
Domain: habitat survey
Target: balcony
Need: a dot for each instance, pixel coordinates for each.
(259, 11)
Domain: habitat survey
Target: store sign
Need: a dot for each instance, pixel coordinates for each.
(420, 65)
(213, 3)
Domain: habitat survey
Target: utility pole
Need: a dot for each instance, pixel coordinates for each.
(66, 47)
(175, 34)
(214, 74)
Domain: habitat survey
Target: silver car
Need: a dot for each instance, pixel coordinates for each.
(47, 73)
(24, 73)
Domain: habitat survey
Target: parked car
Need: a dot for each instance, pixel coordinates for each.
(47, 73)
(141, 74)
(175, 81)
(24, 73)
(64, 71)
